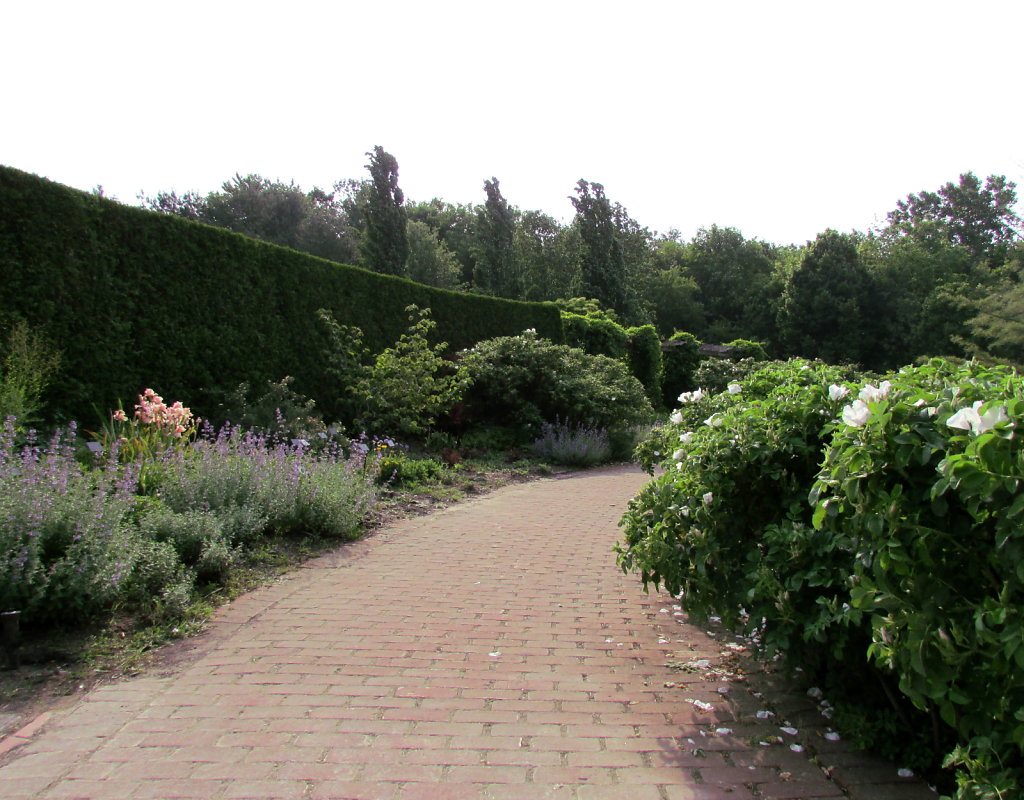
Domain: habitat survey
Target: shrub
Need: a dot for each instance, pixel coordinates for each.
(909, 553)
(411, 384)
(27, 365)
(524, 381)
(924, 476)
(738, 465)
(714, 374)
(279, 411)
(573, 445)
(681, 359)
(399, 470)
(745, 348)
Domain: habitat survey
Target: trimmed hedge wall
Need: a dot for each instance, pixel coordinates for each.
(645, 360)
(599, 337)
(137, 299)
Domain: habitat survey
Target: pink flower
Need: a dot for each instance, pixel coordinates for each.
(119, 416)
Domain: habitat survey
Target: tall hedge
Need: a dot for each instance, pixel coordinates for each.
(645, 360)
(133, 299)
(599, 337)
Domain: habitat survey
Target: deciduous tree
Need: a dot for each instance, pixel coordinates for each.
(978, 217)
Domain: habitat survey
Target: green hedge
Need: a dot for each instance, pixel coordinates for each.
(599, 337)
(134, 298)
(645, 360)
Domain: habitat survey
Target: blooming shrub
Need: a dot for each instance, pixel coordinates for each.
(925, 476)
(908, 554)
(729, 515)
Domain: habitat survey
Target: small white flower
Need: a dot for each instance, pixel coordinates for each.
(832, 736)
(837, 392)
(679, 455)
(734, 388)
(676, 418)
(708, 498)
(687, 437)
(857, 414)
(715, 421)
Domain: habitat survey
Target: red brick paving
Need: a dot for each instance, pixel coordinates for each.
(492, 651)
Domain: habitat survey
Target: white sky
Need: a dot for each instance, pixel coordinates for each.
(779, 118)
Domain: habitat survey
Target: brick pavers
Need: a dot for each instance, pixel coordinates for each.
(492, 651)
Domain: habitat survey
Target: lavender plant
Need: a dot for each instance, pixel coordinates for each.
(573, 445)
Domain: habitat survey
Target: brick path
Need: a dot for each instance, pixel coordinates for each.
(491, 651)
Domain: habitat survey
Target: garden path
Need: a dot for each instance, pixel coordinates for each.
(490, 651)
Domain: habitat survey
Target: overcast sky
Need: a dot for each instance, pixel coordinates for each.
(778, 118)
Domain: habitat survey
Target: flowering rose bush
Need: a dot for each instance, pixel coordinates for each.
(731, 507)
(906, 564)
(925, 478)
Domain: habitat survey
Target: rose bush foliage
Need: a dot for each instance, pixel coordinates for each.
(858, 525)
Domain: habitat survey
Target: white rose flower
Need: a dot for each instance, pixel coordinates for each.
(687, 437)
(714, 421)
(971, 419)
(708, 498)
(837, 392)
(856, 415)
(679, 455)
(676, 418)
(872, 393)
(734, 388)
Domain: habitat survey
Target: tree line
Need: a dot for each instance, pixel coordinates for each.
(944, 275)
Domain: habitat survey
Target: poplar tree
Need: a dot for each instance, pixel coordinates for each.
(497, 270)
(385, 243)
(603, 263)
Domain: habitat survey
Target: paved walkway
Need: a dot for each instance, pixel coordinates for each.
(492, 651)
